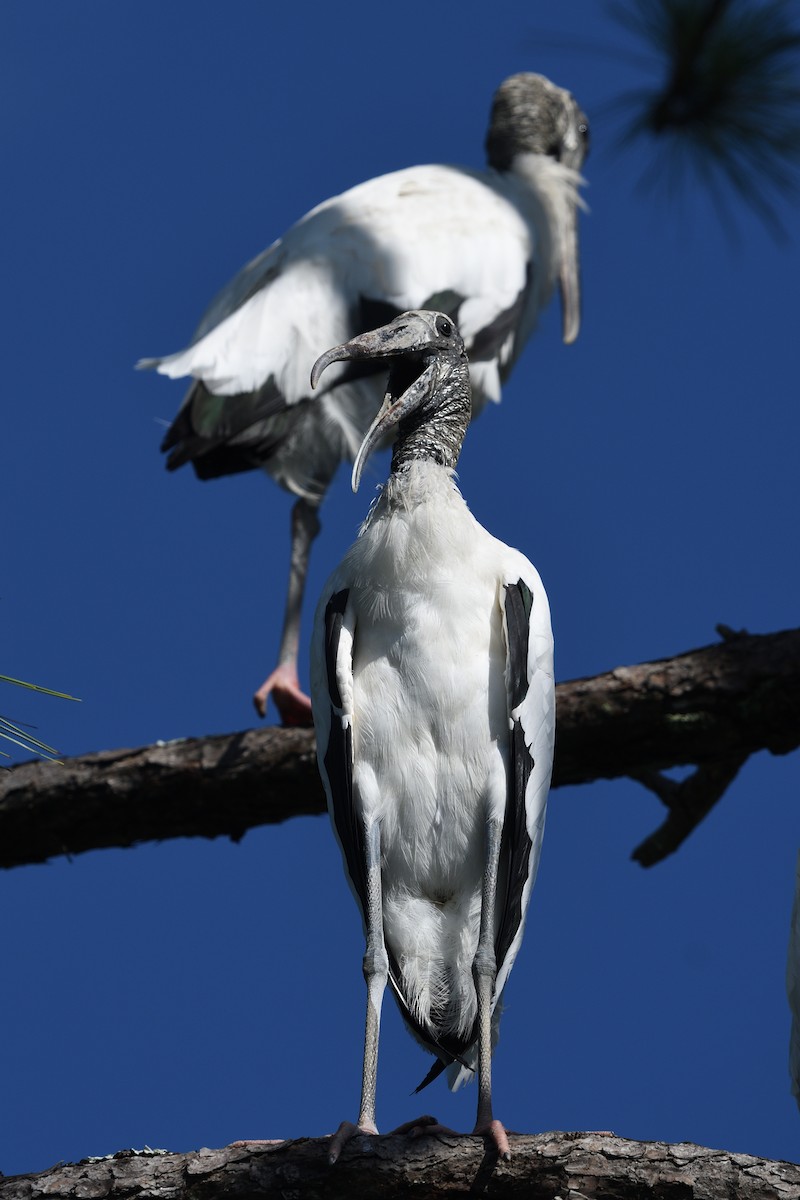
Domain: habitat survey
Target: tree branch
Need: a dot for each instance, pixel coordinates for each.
(542, 1165)
(711, 707)
(688, 802)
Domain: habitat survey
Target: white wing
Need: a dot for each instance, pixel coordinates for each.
(529, 671)
(537, 715)
(404, 240)
(332, 703)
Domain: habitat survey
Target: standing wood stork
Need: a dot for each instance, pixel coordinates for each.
(434, 705)
(487, 247)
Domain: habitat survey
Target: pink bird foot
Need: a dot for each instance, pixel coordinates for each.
(293, 705)
(493, 1131)
(421, 1126)
(344, 1133)
(348, 1130)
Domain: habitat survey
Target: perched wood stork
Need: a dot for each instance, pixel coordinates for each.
(434, 705)
(486, 247)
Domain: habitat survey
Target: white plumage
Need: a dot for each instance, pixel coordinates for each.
(486, 247)
(430, 742)
(433, 693)
(424, 231)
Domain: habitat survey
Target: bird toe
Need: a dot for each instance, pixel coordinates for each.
(293, 705)
(420, 1126)
(494, 1132)
(344, 1133)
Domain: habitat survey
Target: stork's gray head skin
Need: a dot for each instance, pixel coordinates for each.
(427, 393)
(531, 115)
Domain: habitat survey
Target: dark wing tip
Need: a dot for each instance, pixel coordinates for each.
(434, 1073)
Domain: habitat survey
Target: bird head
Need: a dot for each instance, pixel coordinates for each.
(427, 392)
(531, 115)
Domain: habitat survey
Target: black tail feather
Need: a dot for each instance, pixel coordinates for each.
(434, 1073)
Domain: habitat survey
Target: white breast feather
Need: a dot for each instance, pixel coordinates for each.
(431, 724)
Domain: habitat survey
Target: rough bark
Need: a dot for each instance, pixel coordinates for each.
(711, 707)
(548, 1165)
(196, 787)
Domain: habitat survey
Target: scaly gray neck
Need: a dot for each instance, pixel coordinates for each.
(436, 429)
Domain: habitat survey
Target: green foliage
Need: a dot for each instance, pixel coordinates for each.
(11, 732)
(729, 101)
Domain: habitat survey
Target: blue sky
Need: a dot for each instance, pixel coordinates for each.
(192, 993)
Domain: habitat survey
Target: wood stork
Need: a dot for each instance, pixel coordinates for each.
(486, 247)
(434, 705)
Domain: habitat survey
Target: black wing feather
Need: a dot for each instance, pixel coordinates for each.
(515, 847)
(211, 431)
(339, 757)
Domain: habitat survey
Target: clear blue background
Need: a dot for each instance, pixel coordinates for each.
(192, 993)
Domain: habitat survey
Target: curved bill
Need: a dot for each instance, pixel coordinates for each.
(402, 336)
(389, 340)
(569, 281)
(390, 413)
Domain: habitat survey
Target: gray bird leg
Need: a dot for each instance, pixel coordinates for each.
(376, 973)
(292, 703)
(484, 972)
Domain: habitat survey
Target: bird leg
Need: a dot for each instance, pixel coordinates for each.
(292, 704)
(376, 973)
(484, 972)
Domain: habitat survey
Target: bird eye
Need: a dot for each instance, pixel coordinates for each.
(444, 327)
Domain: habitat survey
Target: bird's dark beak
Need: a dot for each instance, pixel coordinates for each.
(569, 280)
(391, 413)
(398, 338)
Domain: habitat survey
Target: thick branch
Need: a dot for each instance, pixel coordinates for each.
(738, 696)
(542, 1166)
(196, 787)
(703, 707)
